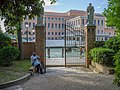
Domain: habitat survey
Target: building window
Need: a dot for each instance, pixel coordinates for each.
(48, 38)
(98, 22)
(97, 39)
(56, 38)
(59, 19)
(56, 19)
(33, 33)
(52, 19)
(52, 25)
(94, 22)
(48, 25)
(82, 21)
(62, 19)
(106, 38)
(55, 33)
(101, 31)
(83, 31)
(102, 22)
(45, 23)
(29, 24)
(74, 23)
(52, 33)
(48, 33)
(48, 19)
(59, 33)
(102, 39)
(62, 33)
(98, 31)
(33, 25)
(78, 39)
(29, 33)
(55, 25)
(63, 26)
(109, 33)
(52, 38)
(59, 26)
(73, 38)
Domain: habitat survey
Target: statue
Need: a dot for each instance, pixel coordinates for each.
(90, 14)
(40, 18)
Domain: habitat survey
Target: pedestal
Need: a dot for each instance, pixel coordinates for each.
(90, 39)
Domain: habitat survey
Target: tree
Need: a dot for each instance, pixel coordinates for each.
(14, 11)
(112, 14)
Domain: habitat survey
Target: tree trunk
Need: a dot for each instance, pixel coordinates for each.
(20, 42)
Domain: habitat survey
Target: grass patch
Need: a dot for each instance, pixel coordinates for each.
(17, 70)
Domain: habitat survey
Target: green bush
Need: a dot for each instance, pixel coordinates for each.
(103, 56)
(4, 40)
(7, 55)
(113, 43)
(99, 43)
(117, 69)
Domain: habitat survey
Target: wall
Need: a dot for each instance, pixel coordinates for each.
(28, 48)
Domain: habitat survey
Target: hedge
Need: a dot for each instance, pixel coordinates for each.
(7, 55)
(4, 40)
(103, 56)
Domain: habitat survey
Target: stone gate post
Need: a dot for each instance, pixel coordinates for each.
(89, 41)
(40, 42)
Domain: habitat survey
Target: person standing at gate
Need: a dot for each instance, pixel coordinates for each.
(81, 51)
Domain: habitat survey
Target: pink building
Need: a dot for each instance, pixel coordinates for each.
(55, 25)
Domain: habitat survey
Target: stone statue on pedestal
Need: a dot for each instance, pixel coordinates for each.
(90, 14)
(40, 18)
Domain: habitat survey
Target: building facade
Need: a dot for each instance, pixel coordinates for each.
(55, 25)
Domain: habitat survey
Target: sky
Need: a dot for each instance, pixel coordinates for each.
(66, 5)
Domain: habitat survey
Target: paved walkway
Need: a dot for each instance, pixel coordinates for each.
(61, 78)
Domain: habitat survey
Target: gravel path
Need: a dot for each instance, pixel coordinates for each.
(60, 78)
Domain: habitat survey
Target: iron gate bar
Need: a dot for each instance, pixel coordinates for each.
(65, 43)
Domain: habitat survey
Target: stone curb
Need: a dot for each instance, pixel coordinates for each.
(15, 82)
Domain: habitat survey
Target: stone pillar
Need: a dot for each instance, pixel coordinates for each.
(89, 41)
(40, 43)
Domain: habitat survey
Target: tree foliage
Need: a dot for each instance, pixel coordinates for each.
(7, 55)
(113, 43)
(117, 69)
(103, 56)
(14, 11)
(112, 14)
(4, 40)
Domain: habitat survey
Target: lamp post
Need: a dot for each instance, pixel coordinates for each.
(27, 31)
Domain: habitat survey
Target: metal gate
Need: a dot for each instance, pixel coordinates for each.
(74, 46)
